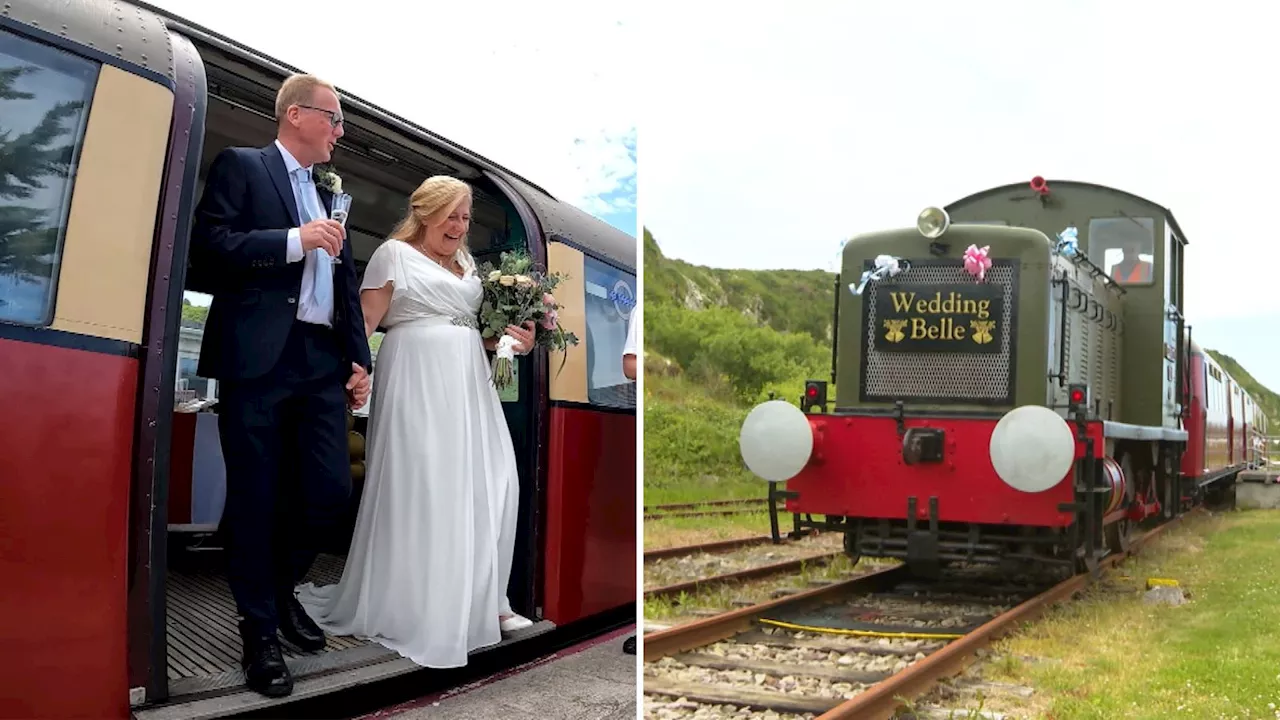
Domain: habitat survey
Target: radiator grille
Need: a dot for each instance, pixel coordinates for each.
(941, 377)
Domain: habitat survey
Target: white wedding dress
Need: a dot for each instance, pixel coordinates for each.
(427, 572)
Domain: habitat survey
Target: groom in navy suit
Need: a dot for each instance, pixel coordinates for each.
(285, 337)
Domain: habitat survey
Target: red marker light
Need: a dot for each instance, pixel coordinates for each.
(1077, 396)
(813, 391)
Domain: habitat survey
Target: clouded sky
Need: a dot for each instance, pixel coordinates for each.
(771, 137)
(544, 91)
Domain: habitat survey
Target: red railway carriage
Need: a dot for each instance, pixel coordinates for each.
(1015, 381)
(1219, 420)
(113, 483)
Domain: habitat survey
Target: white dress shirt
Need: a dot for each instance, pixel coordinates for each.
(308, 309)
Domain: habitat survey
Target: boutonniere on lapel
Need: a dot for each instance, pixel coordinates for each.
(326, 178)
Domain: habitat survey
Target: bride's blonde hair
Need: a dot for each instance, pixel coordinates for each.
(431, 203)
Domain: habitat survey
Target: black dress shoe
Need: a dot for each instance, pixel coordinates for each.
(629, 645)
(263, 663)
(296, 626)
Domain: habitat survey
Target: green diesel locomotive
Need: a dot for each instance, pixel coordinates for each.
(1015, 380)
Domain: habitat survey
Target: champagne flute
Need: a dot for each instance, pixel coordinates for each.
(338, 211)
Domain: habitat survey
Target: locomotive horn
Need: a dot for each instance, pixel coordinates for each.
(776, 440)
(1032, 448)
(1039, 185)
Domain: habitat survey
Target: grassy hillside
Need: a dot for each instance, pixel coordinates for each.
(736, 333)
(787, 300)
(716, 343)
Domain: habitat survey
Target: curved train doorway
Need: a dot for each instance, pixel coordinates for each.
(202, 641)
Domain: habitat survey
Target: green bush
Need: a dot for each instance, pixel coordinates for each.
(724, 343)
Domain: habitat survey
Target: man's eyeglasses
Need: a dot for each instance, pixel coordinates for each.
(334, 118)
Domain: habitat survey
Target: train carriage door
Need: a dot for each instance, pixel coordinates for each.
(1249, 429)
(1232, 419)
(83, 144)
(1173, 328)
(1240, 453)
(513, 227)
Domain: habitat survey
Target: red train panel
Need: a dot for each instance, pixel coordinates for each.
(181, 459)
(857, 470)
(591, 513)
(1194, 459)
(68, 440)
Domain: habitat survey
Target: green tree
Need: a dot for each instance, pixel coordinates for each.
(28, 235)
(193, 315)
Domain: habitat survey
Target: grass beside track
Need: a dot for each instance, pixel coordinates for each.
(1109, 654)
(678, 532)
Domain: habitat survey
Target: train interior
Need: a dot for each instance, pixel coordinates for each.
(380, 173)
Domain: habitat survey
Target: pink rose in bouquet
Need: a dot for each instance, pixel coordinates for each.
(516, 292)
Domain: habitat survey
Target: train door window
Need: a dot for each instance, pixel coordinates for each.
(609, 300)
(191, 391)
(495, 227)
(44, 107)
(1124, 247)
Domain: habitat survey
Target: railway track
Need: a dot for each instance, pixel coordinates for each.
(739, 506)
(752, 573)
(742, 510)
(852, 649)
(706, 503)
(711, 547)
(749, 555)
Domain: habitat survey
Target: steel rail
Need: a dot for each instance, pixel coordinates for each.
(777, 568)
(749, 509)
(714, 547)
(707, 503)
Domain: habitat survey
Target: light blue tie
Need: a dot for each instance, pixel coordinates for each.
(322, 289)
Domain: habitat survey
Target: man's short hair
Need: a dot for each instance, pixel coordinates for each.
(299, 90)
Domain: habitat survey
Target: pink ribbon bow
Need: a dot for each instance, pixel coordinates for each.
(977, 262)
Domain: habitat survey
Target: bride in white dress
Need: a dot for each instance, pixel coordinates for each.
(427, 572)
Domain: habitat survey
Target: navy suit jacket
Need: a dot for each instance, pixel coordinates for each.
(238, 247)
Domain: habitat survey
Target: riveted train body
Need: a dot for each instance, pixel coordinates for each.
(1015, 380)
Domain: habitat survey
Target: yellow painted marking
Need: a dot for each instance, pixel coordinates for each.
(864, 633)
(1166, 582)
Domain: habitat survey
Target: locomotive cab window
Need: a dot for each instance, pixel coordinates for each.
(44, 102)
(1124, 247)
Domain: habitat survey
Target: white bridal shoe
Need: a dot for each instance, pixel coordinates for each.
(514, 623)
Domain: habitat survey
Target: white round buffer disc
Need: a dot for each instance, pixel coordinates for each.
(1032, 448)
(776, 440)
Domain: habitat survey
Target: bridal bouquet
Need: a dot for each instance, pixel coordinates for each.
(516, 292)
